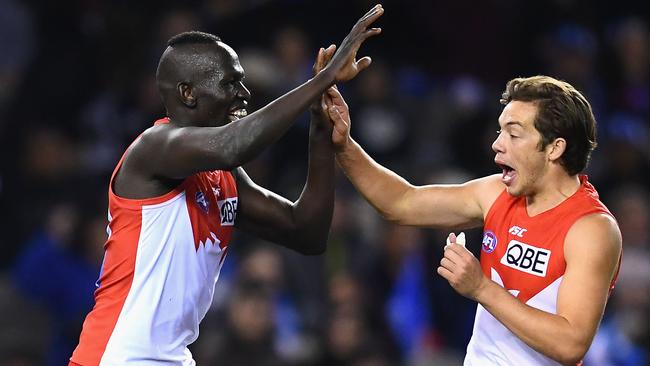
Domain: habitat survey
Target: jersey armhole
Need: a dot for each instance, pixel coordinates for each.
(136, 203)
(492, 208)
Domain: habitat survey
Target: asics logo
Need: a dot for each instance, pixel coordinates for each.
(518, 231)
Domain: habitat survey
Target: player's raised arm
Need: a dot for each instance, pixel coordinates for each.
(302, 225)
(462, 205)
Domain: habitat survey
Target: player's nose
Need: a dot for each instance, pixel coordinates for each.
(497, 145)
(243, 92)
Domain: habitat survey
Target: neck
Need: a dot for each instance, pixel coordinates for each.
(179, 119)
(554, 189)
(186, 117)
(185, 121)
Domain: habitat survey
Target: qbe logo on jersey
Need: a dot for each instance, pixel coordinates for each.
(526, 258)
(228, 211)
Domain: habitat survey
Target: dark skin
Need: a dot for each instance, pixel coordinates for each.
(202, 88)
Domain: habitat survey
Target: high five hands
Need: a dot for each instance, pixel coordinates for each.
(333, 104)
(344, 64)
(458, 266)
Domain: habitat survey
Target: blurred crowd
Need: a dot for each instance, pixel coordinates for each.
(77, 86)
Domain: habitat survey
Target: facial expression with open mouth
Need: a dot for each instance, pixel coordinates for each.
(517, 149)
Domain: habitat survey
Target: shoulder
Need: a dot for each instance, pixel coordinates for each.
(143, 152)
(156, 134)
(150, 141)
(486, 190)
(594, 233)
(596, 224)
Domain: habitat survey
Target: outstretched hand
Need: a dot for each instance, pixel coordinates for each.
(332, 103)
(339, 114)
(344, 63)
(324, 56)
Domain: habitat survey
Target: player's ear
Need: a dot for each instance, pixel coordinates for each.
(186, 95)
(556, 148)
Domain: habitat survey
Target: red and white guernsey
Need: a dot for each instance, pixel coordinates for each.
(525, 255)
(162, 260)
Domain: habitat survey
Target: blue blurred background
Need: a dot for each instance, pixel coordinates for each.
(77, 86)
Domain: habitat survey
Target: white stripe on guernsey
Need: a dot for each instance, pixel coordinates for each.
(496, 278)
(493, 344)
(109, 232)
(546, 299)
(171, 291)
(108, 227)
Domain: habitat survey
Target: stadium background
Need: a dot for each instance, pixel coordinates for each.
(77, 85)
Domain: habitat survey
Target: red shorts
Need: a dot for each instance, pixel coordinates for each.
(73, 364)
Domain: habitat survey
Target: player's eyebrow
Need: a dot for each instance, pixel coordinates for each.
(511, 124)
(514, 123)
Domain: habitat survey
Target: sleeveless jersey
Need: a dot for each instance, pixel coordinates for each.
(525, 255)
(162, 260)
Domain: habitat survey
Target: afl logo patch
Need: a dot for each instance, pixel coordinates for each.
(489, 242)
(202, 202)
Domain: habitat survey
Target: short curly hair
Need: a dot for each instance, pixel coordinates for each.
(192, 37)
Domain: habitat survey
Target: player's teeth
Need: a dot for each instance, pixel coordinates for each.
(240, 113)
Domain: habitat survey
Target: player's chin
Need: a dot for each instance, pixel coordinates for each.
(514, 190)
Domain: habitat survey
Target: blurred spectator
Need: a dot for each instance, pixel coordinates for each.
(631, 42)
(345, 336)
(24, 329)
(18, 47)
(624, 337)
(264, 265)
(295, 57)
(378, 122)
(409, 309)
(247, 336)
(57, 270)
(579, 49)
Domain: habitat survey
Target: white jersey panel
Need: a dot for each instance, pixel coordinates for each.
(492, 344)
(149, 330)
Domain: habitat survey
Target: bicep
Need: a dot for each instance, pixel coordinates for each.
(182, 151)
(449, 205)
(592, 250)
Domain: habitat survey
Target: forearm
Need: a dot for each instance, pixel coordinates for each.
(246, 138)
(312, 212)
(381, 187)
(549, 334)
